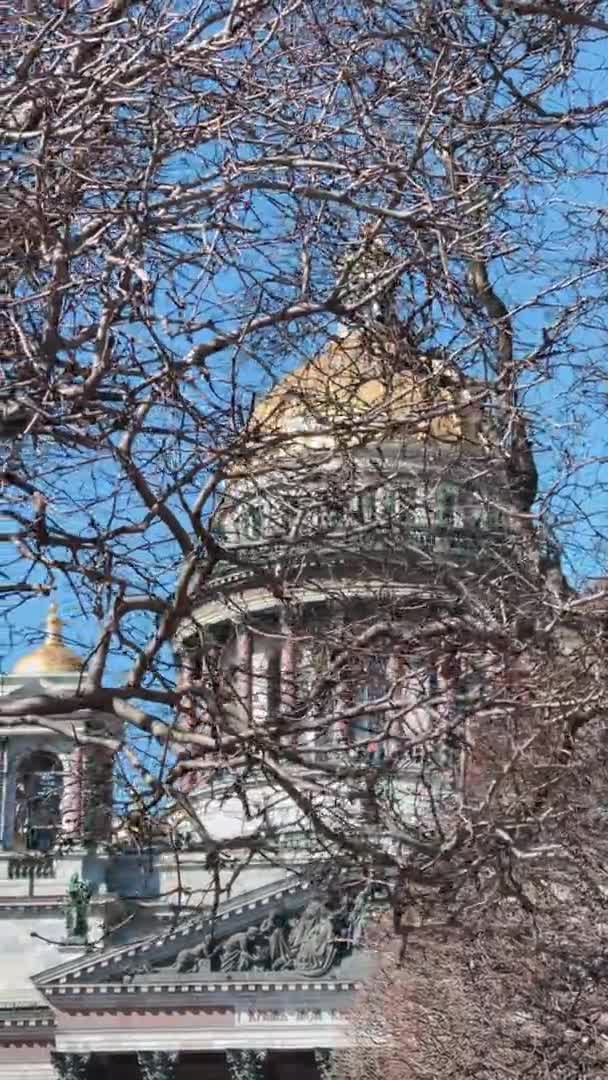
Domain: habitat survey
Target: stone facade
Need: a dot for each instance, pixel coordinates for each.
(94, 985)
(270, 973)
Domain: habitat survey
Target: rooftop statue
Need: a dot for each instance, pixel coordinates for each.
(76, 918)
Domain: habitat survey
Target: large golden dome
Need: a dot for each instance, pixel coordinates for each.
(356, 385)
(53, 657)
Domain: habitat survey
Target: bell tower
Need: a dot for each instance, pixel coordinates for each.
(55, 816)
(55, 785)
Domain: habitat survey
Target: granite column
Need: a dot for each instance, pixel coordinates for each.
(71, 799)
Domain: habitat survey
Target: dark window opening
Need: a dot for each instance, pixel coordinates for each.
(38, 800)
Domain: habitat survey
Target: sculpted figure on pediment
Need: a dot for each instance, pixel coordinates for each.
(313, 940)
(310, 942)
(143, 968)
(357, 917)
(198, 958)
(238, 953)
(273, 952)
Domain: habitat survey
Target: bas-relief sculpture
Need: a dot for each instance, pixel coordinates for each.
(309, 943)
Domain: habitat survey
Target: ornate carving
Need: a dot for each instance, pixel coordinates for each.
(246, 1064)
(273, 951)
(157, 1064)
(77, 913)
(71, 1066)
(309, 943)
(196, 959)
(326, 1062)
(238, 952)
(144, 968)
(313, 940)
(357, 917)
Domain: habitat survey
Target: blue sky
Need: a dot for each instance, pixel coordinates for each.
(567, 418)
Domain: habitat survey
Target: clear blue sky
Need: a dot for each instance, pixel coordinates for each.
(559, 422)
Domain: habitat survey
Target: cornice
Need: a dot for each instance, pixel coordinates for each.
(33, 904)
(219, 993)
(26, 1021)
(239, 592)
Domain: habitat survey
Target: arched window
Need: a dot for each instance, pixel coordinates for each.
(38, 800)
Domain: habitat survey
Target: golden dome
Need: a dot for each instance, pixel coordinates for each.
(354, 385)
(52, 657)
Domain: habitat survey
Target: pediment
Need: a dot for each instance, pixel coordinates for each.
(289, 931)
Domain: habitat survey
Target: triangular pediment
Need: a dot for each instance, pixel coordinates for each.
(289, 930)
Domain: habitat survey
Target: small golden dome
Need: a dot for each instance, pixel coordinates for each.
(355, 384)
(52, 657)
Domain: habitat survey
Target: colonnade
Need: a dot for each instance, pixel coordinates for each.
(245, 1064)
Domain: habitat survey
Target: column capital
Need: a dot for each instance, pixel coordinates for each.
(246, 1064)
(71, 1066)
(157, 1064)
(327, 1061)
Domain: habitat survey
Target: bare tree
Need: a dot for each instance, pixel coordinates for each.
(506, 981)
(402, 198)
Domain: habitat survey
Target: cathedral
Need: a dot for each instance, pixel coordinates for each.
(356, 485)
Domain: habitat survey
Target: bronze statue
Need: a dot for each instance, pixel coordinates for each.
(79, 897)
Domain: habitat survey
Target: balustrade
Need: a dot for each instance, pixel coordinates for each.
(434, 540)
(22, 867)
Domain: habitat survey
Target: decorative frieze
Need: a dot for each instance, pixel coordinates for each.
(309, 943)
